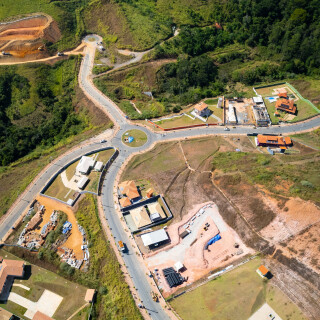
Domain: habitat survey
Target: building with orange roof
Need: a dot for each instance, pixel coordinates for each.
(10, 269)
(150, 193)
(273, 141)
(90, 295)
(285, 104)
(41, 316)
(125, 202)
(201, 109)
(262, 271)
(129, 189)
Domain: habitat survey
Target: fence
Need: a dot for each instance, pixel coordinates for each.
(48, 184)
(184, 127)
(139, 204)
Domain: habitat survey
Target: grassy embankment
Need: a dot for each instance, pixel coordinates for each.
(235, 295)
(114, 299)
(299, 172)
(29, 113)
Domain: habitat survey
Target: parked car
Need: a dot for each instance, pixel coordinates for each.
(103, 141)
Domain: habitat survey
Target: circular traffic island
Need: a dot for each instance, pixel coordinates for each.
(134, 138)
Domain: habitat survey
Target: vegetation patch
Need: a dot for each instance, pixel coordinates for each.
(134, 138)
(237, 294)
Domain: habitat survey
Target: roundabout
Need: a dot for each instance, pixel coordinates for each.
(134, 138)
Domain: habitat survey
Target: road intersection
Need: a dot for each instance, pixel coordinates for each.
(122, 124)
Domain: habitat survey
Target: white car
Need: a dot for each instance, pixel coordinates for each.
(226, 129)
(103, 141)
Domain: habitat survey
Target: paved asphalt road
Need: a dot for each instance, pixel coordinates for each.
(134, 267)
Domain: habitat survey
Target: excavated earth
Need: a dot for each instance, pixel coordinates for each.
(24, 38)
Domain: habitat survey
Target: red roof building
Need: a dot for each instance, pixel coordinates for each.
(10, 268)
(274, 141)
(285, 104)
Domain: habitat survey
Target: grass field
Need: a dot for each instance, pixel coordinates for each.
(40, 280)
(311, 139)
(140, 138)
(304, 110)
(235, 295)
(187, 121)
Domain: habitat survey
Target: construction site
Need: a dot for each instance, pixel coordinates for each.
(68, 238)
(199, 243)
(25, 38)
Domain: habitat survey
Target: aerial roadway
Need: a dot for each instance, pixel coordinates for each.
(122, 124)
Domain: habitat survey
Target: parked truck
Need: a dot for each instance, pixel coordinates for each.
(121, 246)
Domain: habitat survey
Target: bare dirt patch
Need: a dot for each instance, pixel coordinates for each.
(74, 241)
(25, 37)
(191, 250)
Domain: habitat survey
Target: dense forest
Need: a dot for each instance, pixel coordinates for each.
(36, 108)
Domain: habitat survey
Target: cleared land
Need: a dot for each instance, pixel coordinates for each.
(39, 280)
(269, 192)
(235, 295)
(140, 138)
(304, 109)
(25, 37)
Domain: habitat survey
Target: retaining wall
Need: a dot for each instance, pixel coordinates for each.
(45, 188)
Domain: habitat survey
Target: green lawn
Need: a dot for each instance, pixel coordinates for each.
(187, 121)
(58, 190)
(235, 295)
(140, 138)
(304, 110)
(309, 138)
(40, 280)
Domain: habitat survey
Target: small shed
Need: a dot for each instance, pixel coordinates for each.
(90, 295)
(82, 182)
(150, 193)
(262, 271)
(178, 266)
(154, 238)
(98, 166)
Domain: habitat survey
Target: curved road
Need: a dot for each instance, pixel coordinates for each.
(136, 270)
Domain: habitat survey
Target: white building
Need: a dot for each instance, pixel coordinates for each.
(154, 238)
(232, 114)
(85, 164)
(82, 182)
(98, 166)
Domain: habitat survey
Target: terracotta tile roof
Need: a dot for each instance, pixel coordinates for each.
(10, 268)
(263, 269)
(89, 295)
(201, 106)
(150, 192)
(286, 104)
(41, 316)
(274, 140)
(125, 202)
(130, 189)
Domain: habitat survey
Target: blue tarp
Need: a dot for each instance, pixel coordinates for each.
(214, 239)
(130, 139)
